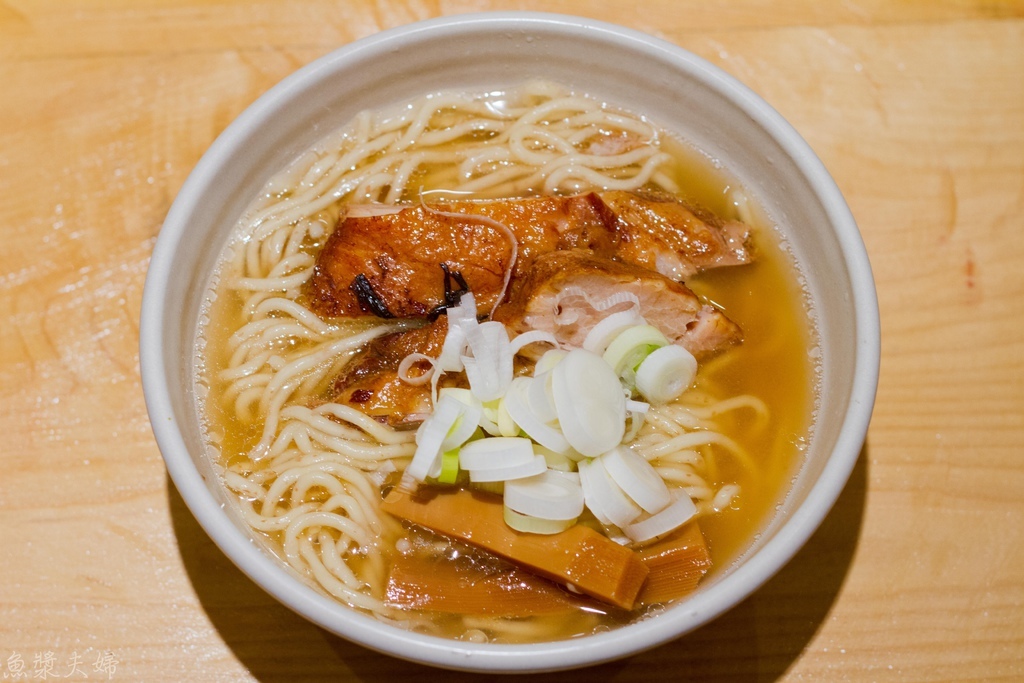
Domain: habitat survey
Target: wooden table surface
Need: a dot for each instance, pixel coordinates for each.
(917, 108)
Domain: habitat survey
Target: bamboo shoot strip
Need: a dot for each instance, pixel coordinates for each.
(676, 563)
(582, 557)
(441, 585)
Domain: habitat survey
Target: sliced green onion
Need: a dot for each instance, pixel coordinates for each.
(678, 513)
(464, 426)
(557, 462)
(510, 472)
(489, 418)
(538, 395)
(548, 361)
(666, 373)
(632, 345)
(636, 478)
(637, 412)
(532, 337)
(604, 497)
(463, 396)
(431, 433)
(495, 453)
(518, 409)
(412, 360)
(590, 500)
(602, 334)
(489, 369)
(460, 319)
(574, 477)
(535, 525)
(449, 467)
(546, 495)
(589, 401)
(506, 425)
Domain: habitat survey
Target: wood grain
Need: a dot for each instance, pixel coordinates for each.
(916, 108)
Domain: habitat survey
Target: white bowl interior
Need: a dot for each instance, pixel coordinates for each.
(673, 88)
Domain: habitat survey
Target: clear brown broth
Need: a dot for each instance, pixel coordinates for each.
(773, 364)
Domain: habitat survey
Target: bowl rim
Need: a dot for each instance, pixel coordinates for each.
(267, 572)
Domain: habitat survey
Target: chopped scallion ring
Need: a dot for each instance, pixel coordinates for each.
(589, 401)
(412, 360)
(463, 396)
(637, 478)
(637, 411)
(506, 425)
(604, 497)
(495, 453)
(632, 345)
(602, 334)
(533, 337)
(449, 467)
(557, 462)
(546, 495)
(465, 424)
(429, 437)
(548, 361)
(679, 512)
(510, 472)
(535, 525)
(517, 405)
(666, 373)
(489, 369)
(489, 418)
(538, 395)
(460, 319)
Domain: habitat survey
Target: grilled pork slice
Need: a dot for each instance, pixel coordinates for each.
(393, 263)
(541, 300)
(660, 232)
(395, 259)
(559, 293)
(370, 381)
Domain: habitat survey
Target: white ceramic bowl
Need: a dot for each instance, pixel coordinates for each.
(675, 89)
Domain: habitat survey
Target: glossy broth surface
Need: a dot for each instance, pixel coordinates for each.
(775, 363)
